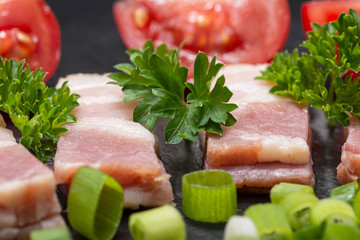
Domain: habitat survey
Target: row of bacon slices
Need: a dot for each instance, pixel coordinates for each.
(269, 144)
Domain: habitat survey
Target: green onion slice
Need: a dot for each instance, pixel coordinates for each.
(281, 190)
(95, 204)
(356, 204)
(341, 232)
(345, 192)
(61, 233)
(310, 232)
(297, 206)
(209, 196)
(240, 227)
(331, 211)
(270, 221)
(162, 223)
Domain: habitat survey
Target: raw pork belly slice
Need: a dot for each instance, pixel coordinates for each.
(270, 141)
(106, 138)
(97, 97)
(27, 190)
(349, 168)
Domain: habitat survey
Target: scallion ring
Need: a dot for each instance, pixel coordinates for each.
(60, 233)
(297, 206)
(345, 192)
(279, 191)
(333, 211)
(270, 220)
(162, 223)
(95, 204)
(209, 196)
(240, 227)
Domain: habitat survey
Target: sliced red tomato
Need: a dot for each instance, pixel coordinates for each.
(325, 11)
(237, 31)
(29, 30)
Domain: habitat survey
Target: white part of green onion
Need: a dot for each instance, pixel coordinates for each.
(162, 223)
(240, 226)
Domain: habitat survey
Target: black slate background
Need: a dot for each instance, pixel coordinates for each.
(91, 44)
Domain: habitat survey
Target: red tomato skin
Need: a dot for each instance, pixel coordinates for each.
(258, 28)
(37, 19)
(325, 11)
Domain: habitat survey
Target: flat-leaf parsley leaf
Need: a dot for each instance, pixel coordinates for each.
(156, 77)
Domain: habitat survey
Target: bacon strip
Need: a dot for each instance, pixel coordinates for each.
(269, 143)
(27, 190)
(349, 168)
(106, 138)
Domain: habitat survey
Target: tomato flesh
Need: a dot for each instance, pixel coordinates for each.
(325, 11)
(30, 31)
(237, 31)
(17, 44)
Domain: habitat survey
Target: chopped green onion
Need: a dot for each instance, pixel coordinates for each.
(345, 192)
(356, 204)
(209, 196)
(297, 206)
(95, 204)
(162, 223)
(341, 232)
(333, 211)
(240, 227)
(270, 221)
(61, 233)
(244, 238)
(311, 232)
(281, 190)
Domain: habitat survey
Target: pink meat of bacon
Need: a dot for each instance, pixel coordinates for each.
(349, 168)
(27, 191)
(270, 141)
(97, 97)
(106, 138)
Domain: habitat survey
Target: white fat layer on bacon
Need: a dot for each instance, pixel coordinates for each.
(245, 92)
(119, 126)
(6, 136)
(9, 233)
(80, 81)
(135, 196)
(285, 150)
(12, 191)
(103, 99)
(7, 143)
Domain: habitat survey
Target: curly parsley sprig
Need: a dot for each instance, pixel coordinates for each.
(35, 109)
(156, 77)
(316, 78)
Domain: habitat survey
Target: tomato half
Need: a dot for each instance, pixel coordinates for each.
(237, 31)
(29, 30)
(325, 11)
